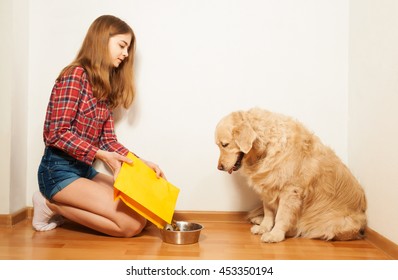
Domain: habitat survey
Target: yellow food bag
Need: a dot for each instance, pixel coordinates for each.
(153, 198)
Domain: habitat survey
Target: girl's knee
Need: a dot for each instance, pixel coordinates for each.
(134, 228)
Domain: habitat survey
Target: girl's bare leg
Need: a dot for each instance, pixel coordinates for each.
(90, 203)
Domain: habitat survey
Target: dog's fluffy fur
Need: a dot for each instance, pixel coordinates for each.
(305, 188)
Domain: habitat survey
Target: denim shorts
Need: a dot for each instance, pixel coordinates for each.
(58, 169)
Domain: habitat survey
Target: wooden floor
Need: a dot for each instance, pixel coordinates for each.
(228, 240)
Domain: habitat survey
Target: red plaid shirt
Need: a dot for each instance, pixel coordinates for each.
(76, 122)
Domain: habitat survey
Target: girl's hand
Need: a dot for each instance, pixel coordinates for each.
(113, 160)
(156, 168)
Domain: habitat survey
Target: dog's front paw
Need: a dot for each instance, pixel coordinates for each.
(273, 236)
(256, 229)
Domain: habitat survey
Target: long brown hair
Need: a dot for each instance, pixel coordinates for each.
(115, 85)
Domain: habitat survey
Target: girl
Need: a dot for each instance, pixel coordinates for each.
(79, 128)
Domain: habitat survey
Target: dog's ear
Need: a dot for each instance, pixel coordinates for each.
(244, 136)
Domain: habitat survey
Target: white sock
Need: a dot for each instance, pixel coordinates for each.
(43, 218)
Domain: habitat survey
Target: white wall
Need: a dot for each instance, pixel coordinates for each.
(13, 105)
(373, 114)
(197, 61)
(19, 105)
(5, 103)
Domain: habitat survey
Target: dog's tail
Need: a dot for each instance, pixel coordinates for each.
(353, 228)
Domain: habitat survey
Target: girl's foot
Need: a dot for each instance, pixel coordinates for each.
(43, 218)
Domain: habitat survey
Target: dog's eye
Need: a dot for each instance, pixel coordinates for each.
(224, 145)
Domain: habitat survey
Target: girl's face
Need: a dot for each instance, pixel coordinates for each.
(118, 48)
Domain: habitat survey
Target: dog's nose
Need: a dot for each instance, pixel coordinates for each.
(220, 167)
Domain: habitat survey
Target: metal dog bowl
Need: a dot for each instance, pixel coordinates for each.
(181, 233)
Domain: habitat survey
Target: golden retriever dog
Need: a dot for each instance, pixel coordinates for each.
(306, 190)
